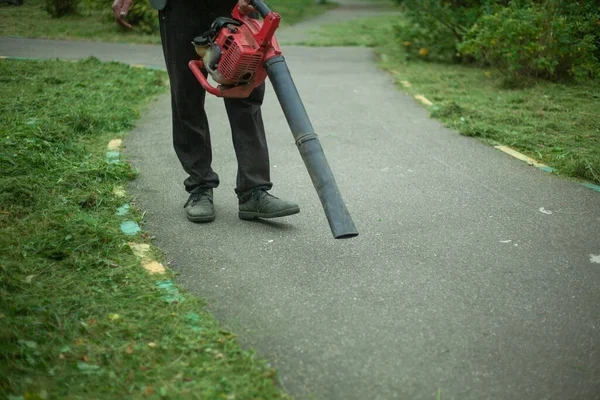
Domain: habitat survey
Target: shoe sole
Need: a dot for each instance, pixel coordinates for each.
(249, 215)
(209, 218)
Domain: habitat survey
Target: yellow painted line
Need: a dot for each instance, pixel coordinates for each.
(141, 251)
(423, 100)
(137, 66)
(520, 156)
(119, 191)
(154, 267)
(114, 145)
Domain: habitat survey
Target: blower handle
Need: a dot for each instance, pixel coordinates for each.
(261, 7)
(195, 66)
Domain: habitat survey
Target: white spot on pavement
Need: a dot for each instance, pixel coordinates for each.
(505, 241)
(270, 241)
(544, 211)
(595, 259)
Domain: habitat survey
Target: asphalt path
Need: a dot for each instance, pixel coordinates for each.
(474, 276)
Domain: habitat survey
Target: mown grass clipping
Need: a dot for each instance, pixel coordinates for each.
(79, 317)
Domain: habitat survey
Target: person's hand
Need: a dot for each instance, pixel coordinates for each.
(245, 7)
(120, 8)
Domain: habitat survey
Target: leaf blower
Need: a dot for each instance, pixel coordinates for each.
(239, 53)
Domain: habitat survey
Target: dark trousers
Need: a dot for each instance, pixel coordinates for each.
(180, 22)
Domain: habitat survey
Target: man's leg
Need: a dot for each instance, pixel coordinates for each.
(180, 22)
(250, 143)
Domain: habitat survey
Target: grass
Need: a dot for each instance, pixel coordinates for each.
(79, 317)
(556, 123)
(30, 20)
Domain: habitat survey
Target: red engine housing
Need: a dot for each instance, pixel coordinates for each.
(244, 49)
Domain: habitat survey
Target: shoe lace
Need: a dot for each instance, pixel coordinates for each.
(260, 194)
(196, 197)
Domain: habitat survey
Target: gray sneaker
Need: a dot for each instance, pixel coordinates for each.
(199, 207)
(263, 205)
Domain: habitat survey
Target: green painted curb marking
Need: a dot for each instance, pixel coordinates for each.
(592, 186)
(172, 294)
(123, 210)
(130, 228)
(112, 157)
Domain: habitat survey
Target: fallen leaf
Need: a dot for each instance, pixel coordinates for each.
(29, 278)
(149, 390)
(92, 322)
(79, 341)
(85, 358)
(129, 350)
(61, 356)
(152, 345)
(270, 373)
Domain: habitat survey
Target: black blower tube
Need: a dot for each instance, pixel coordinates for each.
(339, 218)
(261, 7)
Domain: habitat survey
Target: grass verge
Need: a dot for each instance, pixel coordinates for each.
(79, 317)
(556, 123)
(30, 20)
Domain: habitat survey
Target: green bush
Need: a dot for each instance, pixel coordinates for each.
(60, 8)
(436, 27)
(540, 38)
(548, 40)
(141, 14)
